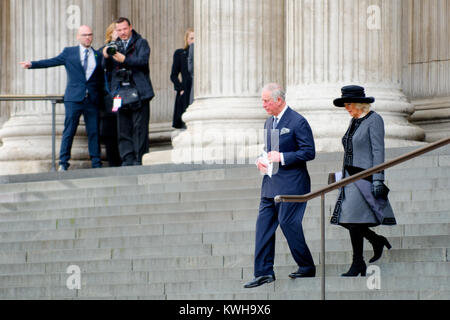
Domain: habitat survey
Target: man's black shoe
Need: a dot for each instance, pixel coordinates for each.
(260, 281)
(299, 274)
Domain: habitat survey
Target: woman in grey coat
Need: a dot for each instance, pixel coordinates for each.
(363, 204)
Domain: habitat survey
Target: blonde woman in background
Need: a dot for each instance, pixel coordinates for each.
(183, 87)
(108, 119)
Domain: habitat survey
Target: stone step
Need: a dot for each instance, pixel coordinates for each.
(369, 295)
(433, 261)
(154, 290)
(398, 243)
(91, 191)
(138, 236)
(316, 295)
(116, 265)
(304, 296)
(212, 274)
(148, 225)
(306, 285)
(345, 257)
(104, 254)
(101, 243)
(120, 220)
(431, 165)
(162, 198)
(441, 269)
(187, 202)
(279, 288)
(140, 189)
(332, 233)
(230, 173)
(132, 210)
(433, 248)
(176, 197)
(142, 227)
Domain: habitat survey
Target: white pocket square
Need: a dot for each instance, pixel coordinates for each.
(285, 131)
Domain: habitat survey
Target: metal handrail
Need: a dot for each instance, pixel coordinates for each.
(54, 99)
(347, 181)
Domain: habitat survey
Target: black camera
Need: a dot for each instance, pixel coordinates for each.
(113, 47)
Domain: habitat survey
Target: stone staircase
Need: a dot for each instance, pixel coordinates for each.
(187, 232)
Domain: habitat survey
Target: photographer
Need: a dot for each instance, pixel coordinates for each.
(128, 61)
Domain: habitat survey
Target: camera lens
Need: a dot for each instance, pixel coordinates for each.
(111, 51)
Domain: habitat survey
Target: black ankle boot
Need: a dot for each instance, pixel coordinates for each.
(358, 267)
(378, 246)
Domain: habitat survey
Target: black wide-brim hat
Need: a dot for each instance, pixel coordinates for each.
(353, 94)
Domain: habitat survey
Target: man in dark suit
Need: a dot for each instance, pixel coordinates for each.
(133, 123)
(83, 93)
(290, 144)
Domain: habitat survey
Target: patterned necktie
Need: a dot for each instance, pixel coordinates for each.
(275, 123)
(86, 57)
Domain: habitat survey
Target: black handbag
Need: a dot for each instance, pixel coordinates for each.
(131, 99)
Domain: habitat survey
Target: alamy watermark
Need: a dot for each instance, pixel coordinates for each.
(73, 21)
(74, 280)
(374, 280)
(225, 146)
(374, 17)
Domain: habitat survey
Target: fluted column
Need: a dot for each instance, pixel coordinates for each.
(5, 40)
(427, 65)
(239, 48)
(41, 29)
(163, 24)
(335, 43)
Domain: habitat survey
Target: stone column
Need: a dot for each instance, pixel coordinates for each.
(427, 65)
(335, 43)
(163, 24)
(5, 40)
(41, 29)
(239, 48)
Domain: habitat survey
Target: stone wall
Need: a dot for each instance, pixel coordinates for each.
(311, 47)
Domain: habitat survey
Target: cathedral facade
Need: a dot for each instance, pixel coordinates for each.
(399, 50)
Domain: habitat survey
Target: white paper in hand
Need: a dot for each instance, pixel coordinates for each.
(265, 160)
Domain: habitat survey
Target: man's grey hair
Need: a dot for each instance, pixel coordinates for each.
(276, 90)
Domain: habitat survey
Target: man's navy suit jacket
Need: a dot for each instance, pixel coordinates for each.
(296, 142)
(76, 78)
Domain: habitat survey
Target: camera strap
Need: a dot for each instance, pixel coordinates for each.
(113, 94)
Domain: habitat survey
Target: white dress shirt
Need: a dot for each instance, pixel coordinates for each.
(92, 63)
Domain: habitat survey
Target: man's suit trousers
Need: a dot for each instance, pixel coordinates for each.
(74, 110)
(133, 130)
(289, 216)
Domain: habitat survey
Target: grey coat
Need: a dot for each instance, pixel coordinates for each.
(364, 149)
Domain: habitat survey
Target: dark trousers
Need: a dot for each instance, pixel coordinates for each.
(289, 216)
(357, 234)
(133, 129)
(74, 110)
(108, 137)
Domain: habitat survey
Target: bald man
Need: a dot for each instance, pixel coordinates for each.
(83, 96)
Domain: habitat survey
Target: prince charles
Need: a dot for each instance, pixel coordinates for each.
(289, 145)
